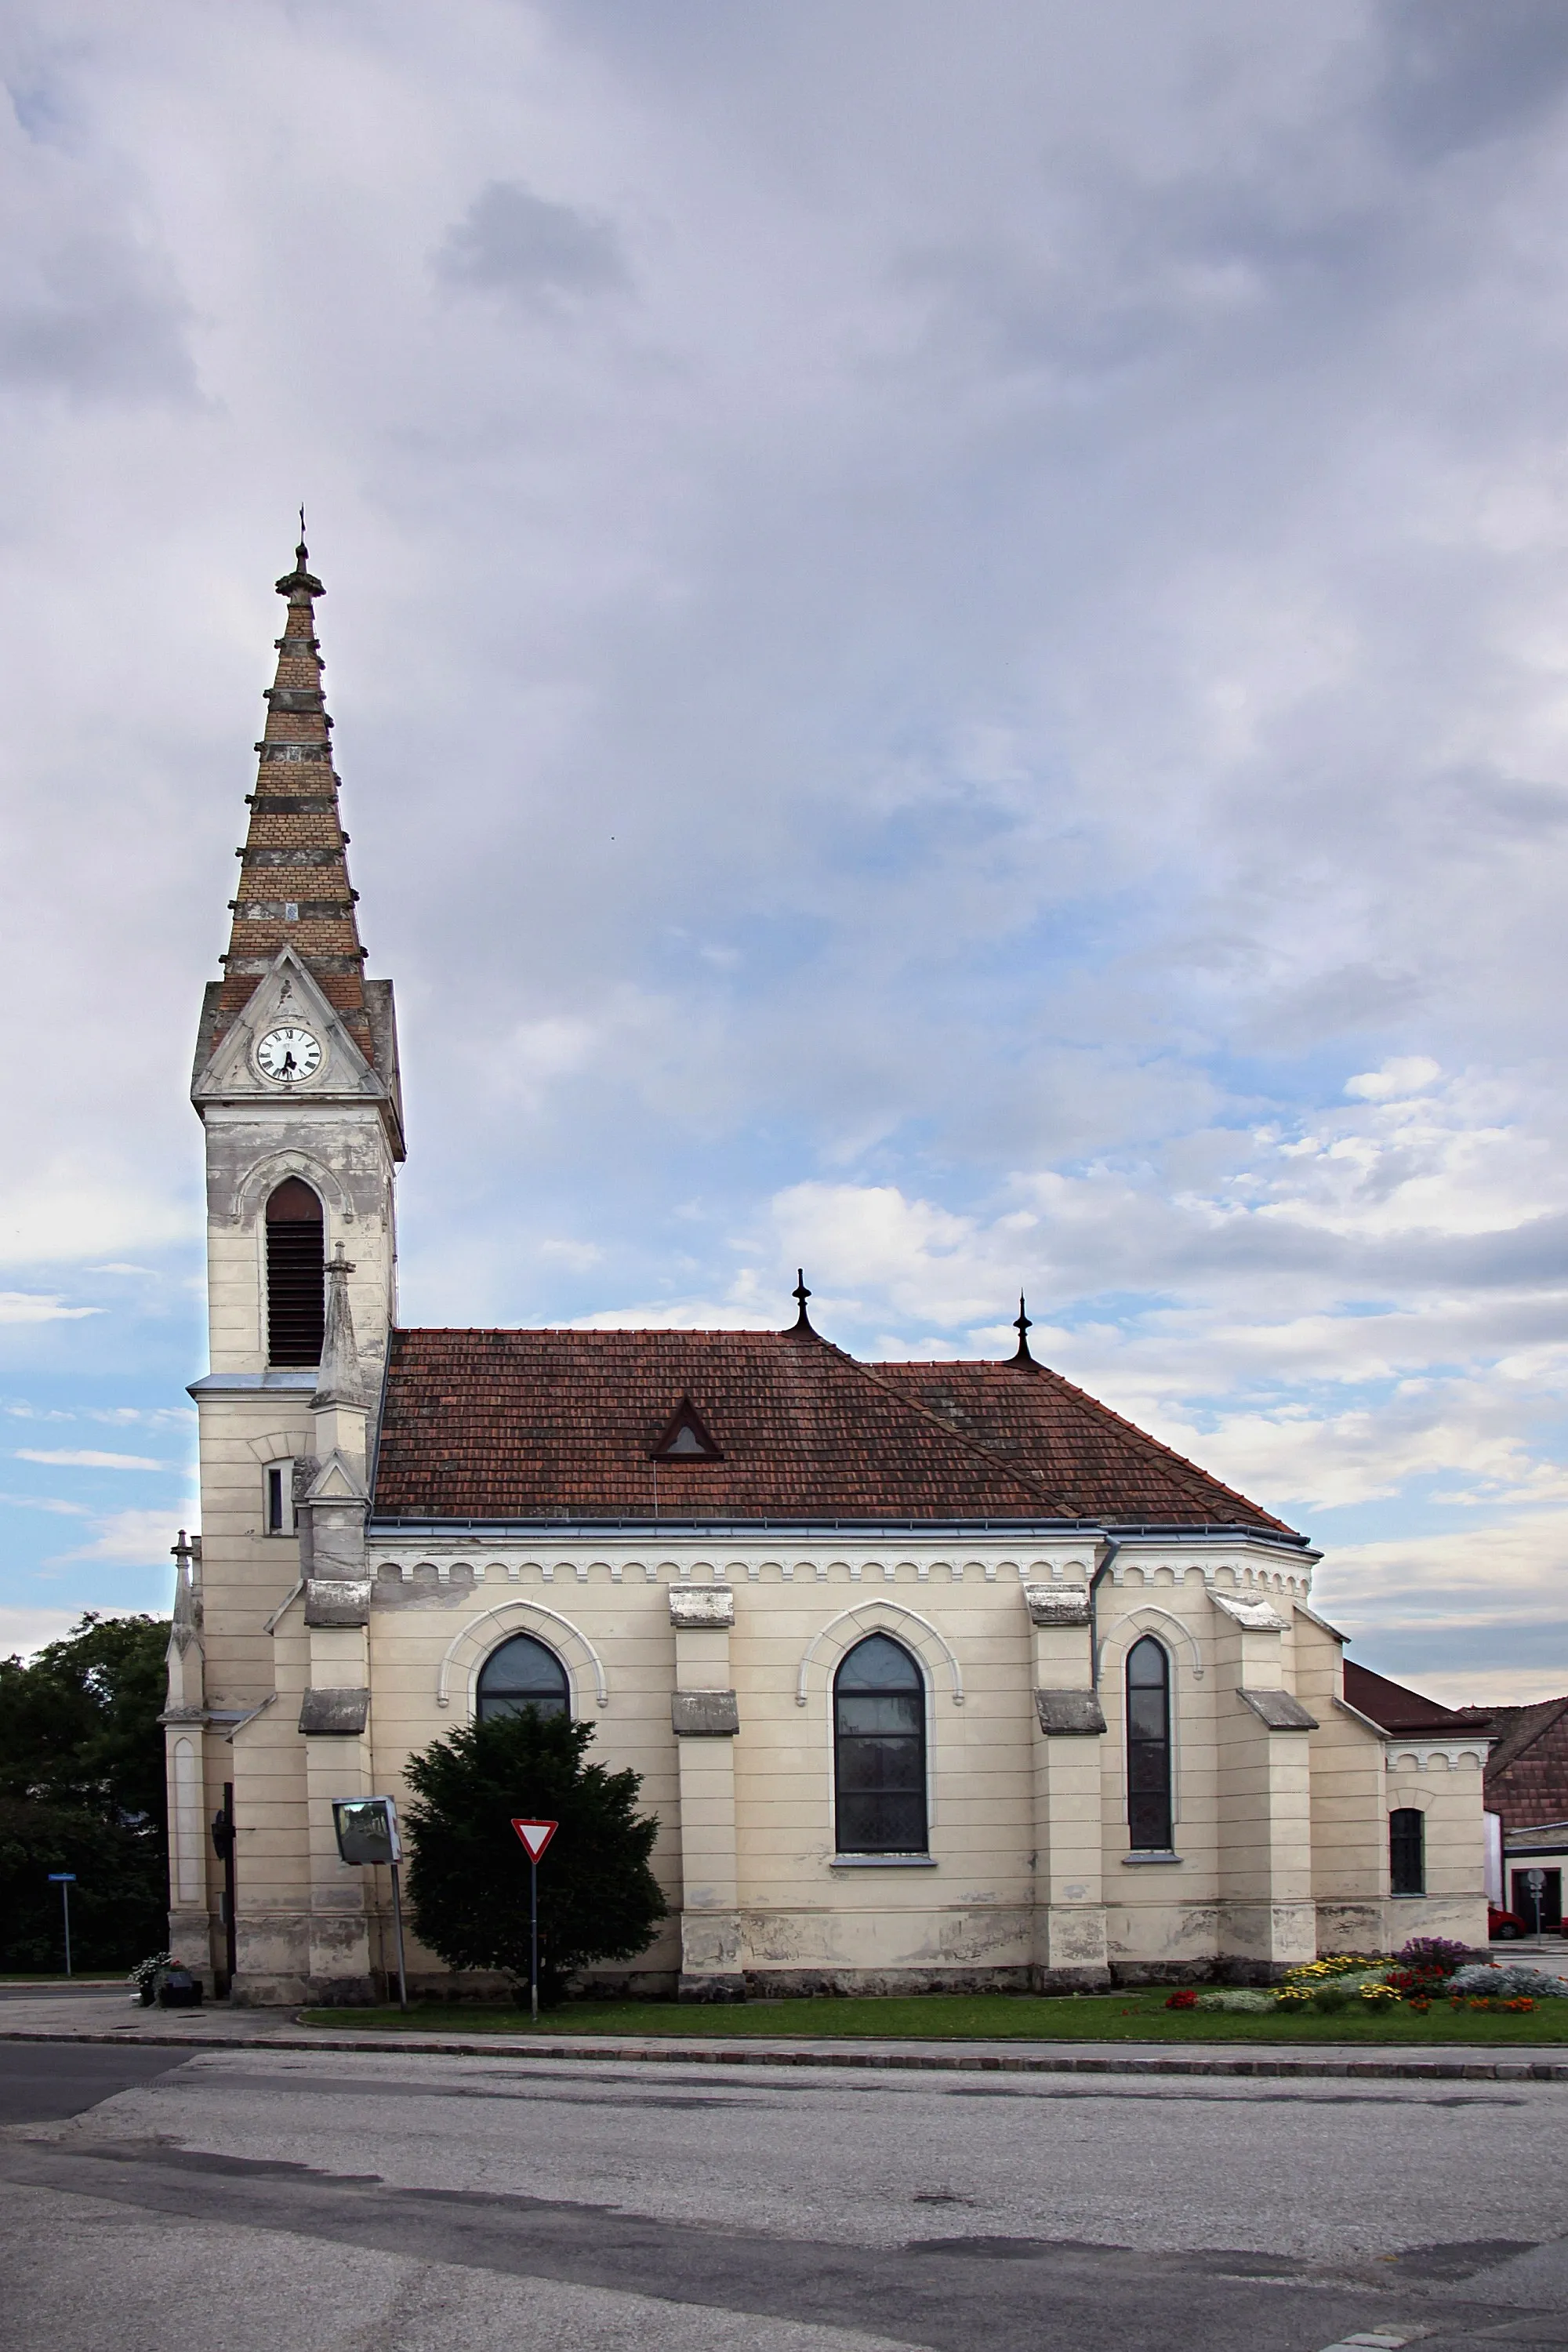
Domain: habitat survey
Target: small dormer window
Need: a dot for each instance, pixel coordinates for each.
(686, 1437)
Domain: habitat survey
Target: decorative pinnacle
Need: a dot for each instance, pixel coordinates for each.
(1023, 1326)
(803, 1320)
(187, 1610)
(337, 1381)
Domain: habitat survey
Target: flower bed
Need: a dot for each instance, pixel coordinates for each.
(1428, 1972)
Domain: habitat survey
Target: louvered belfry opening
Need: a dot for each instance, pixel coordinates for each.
(296, 1286)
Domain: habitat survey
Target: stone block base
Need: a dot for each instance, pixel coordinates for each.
(1070, 1980)
(721, 1985)
(784, 1984)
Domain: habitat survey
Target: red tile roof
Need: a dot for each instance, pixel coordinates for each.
(1395, 1708)
(1527, 1771)
(524, 1425)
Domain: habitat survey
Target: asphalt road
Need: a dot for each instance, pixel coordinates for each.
(299, 2201)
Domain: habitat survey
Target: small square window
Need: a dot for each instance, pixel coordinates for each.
(278, 1517)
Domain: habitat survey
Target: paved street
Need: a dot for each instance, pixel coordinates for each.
(299, 2201)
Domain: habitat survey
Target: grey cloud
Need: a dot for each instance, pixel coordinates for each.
(512, 242)
(1460, 74)
(101, 321)
(1483, 803)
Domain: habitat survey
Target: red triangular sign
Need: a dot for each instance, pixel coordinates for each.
(535, 1835)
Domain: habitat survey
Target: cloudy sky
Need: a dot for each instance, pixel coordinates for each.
(949, 635)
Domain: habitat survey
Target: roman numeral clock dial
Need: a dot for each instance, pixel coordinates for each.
(287, 1055)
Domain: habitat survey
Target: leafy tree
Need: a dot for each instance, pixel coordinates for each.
(467, 1871)
(81, 1789)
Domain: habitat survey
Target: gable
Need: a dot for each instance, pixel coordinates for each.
(287, 994)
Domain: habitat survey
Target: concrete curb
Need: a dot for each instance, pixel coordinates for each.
(1143, 2059)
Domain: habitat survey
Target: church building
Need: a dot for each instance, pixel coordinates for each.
(938, 1676)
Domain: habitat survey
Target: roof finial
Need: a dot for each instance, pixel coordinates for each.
(803, 1320)
(1022, 1325)
(300, 585)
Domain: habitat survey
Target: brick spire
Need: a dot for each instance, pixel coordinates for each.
(294, 882)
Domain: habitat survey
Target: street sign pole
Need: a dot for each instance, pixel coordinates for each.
(66, 1879)
(535, 1837)
(1536, 1882)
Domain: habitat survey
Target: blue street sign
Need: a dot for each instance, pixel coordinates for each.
(62, 1878)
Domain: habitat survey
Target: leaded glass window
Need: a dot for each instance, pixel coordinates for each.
(1149, 1811)
(523, 1672)
(879, 1749)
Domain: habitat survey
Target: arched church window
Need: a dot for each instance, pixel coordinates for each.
(879, 1749)
(1407, 1851)
(1149, 1816)
(296, 1258)
(523, 1672)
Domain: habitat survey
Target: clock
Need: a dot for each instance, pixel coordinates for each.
(288, 1056)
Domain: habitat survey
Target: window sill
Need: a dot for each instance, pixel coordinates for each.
(1407, 1896)
(1147, 1861)
(883, 1861)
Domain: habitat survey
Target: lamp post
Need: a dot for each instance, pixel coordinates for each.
(223, 1846)
(367, 1833)
(65, 1880)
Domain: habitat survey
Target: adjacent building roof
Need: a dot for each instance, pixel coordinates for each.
(1527, 1771)
(551, 1425)
(1395, 1708)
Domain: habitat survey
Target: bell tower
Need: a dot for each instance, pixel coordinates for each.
(296, 1077)
(296, 1083)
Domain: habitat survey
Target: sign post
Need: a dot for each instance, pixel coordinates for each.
(535, 1836)
(367, 1833)
(1536, 1882)
(66, 1879)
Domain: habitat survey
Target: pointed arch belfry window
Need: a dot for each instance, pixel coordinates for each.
(296, 1262)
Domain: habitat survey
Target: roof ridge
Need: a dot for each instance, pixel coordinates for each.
(1020, 1477)
(1097, 1404)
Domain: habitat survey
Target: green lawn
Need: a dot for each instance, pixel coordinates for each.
(58, 1976)
(964, 2017)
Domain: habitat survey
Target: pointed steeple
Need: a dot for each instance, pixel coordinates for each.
(293, 880)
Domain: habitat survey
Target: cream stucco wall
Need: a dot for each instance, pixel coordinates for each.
(1280, 1840)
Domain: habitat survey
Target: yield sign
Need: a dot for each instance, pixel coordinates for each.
(535, 1835)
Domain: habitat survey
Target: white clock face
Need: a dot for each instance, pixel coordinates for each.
(288, 1056)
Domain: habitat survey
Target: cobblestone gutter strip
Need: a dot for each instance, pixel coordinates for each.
(1518, 2066)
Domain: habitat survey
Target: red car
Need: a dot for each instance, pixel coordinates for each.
(1502, 1926)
